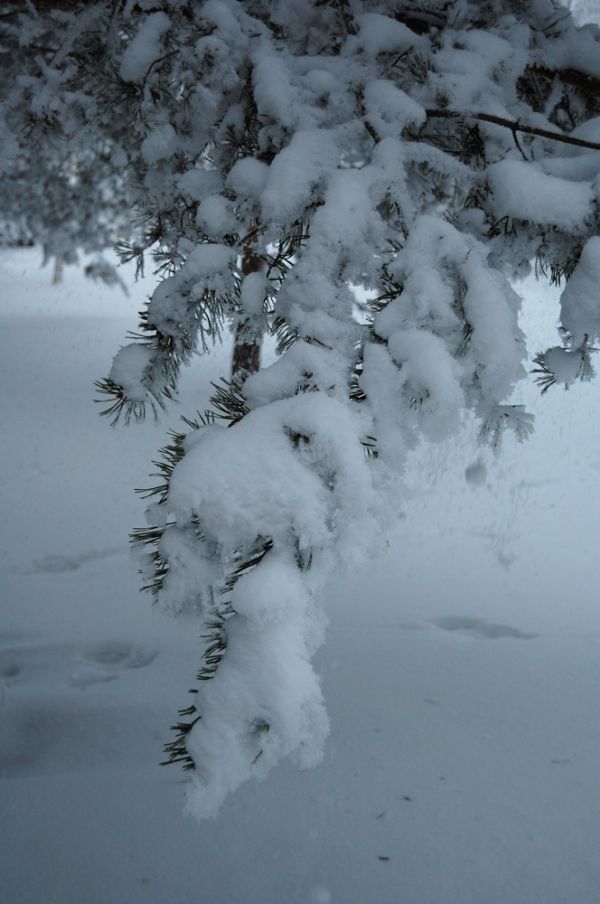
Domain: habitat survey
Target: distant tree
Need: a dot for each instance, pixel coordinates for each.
(277, 156)
(62, 175)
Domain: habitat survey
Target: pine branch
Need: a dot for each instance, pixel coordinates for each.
(515, 126)
(245, 562)
(557, 267)
(564, 365)
(171, 454)
(587, 84)
(229, 405)
(228, 402)
(171, 350)
(120, 406)
(547, 377)
(502, 418)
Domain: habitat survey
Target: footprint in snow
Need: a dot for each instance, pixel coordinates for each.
(81, 667)
(46, 729)
(104, 662)
(58, 564)
(9, 668)
(60, 735)
(480, 627)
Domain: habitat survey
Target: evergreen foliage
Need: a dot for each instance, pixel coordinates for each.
(276, 156)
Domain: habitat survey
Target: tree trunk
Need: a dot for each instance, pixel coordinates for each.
(246, 349)
(246, 355)
(58, 270)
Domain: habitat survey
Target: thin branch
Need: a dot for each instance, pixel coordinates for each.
(518, 145)
(515, 126)
(586, 83)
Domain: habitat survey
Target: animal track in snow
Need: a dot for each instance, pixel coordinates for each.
(118, 654)
(479, 626)
(104, 662)
(41, 738)
(46, 724)
(57, 564)
(9, 668)
(84, 666)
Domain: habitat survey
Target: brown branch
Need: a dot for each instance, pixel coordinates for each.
(518, 144)
(515, 126)
(587, 84)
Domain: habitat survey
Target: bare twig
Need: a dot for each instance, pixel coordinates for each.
(515, 127)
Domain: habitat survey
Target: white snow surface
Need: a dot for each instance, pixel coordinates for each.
(129, 369)
(389, 109)
(381, 34)
(159, 143)
(524, 192)
(580, 300)
(145, 47)
(585, 11)
(460, 671)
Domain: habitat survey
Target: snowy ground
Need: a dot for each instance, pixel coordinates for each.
(461, 673)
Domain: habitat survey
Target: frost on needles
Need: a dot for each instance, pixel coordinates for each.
(276, 156)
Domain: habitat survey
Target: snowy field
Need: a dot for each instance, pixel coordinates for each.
(462, 672)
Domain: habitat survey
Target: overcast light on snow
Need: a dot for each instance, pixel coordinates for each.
(461, 671)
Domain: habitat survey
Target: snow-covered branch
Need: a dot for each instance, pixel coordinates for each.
(278, 157)
(516, 126)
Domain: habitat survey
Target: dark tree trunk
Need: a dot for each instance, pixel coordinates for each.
(246, 355)
(246, 350)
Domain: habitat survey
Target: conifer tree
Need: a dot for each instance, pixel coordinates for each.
(61, 169)
(278, 156)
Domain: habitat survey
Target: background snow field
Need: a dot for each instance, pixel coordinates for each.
(461, 672)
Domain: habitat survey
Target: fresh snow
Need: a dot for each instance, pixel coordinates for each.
(461, 667)
(260, 523)
(159, 143)
(145, 47)
(524, 192)
(381, 34)
(580, 300)
(129, 369)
